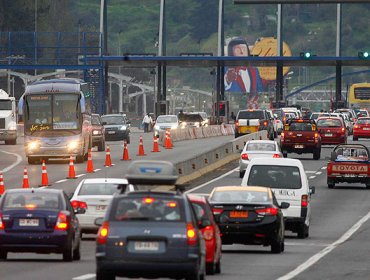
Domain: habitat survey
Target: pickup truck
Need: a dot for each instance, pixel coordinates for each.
(349, 163)
(300, 136)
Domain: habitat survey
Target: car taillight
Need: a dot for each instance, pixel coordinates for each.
(2, 226)
(62, 222)
(237, 123)
(191, 235)
(217, 211)
(265, 123)
(271, 211)
(282, 136)
(304, 201)
(277, 121)
(356, 126)
(103, 233)
(208, 233)
(343, 129)
(79, 204)
(245, 156)
(276, 156)
(316, 137)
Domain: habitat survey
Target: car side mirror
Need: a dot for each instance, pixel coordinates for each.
(312, 190)
(204, 223)
(333, 156)
(79, 210)
(99, 221)
(284, 205)
(104, 123)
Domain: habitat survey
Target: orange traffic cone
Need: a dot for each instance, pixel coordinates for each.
(125, 155)
(141, 147)
(2, 187)
(26, 185)
(108, 161)
(44, 176)
(90, 166)
(167, 141)
(71, 173)
(155, 145)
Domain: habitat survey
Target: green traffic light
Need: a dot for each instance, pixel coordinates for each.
(365, 54)
(307, 55)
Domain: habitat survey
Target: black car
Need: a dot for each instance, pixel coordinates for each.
(39, 221)
(117, 127)
(150, 234)
(98, 132)
(249, 215)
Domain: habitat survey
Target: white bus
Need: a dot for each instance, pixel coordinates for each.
(56, 122)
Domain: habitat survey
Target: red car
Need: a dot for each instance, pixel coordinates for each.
(211, 233)
(332, 130)
(361, 129)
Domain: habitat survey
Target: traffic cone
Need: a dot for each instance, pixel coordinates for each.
(125, 155)
(167, 141)
(108, 161)
(2, 187)
(26, 185)
(71, 173)
(141, 147)
(155, 145)
(44, 176)
(90, 166)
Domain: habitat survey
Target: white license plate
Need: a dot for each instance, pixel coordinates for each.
(366, 128)
(29, 222)
(111, 132)
(350, 175)
(100, 207)
(328, 135)
(298, 146)
(146, 246)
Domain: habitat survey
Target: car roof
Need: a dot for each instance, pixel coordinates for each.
(167, 116)
(34, 190)
(113, 115)
(262, 141)
(197, 198)
(152, 194)
(276, 161)
(105, 180)
(240, 188)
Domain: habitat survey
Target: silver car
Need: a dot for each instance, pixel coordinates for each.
(256, 149)
(166, 122)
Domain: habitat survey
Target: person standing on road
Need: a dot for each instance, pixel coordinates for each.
(146, 121)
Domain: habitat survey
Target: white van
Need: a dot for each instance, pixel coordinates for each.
(287, 179)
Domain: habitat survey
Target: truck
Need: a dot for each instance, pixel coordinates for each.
(349, 163)
(8, 119)
(300, 136)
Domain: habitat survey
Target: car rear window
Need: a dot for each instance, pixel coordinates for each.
(300, 126)
(275, 176)
(251, 115)
(261, 147)
(363, 121)
(200, 211)
(329, 123)
(31, 201)
(148, 209)
(99, 189)
(241, 196)
(351, 154)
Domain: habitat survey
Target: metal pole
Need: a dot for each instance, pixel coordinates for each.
(220, 85)
(338, 72)
(101, 29)
(279, 68)
(36, 35)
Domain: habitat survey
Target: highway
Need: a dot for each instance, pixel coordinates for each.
(336, 249)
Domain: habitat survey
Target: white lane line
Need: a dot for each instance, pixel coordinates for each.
(311, 177)
(60, 181)
(80, 175)
(213, 180)
(315, 258)
(18, 161)
(310, 172)
(318, 173)
(96, 170)
(324, 167)
(85, 277)
(306, 244)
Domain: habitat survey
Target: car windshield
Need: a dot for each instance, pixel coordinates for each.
(261, 147)
(275, 176)
(300, 126)
(95, 120)
(251, 115)
(148, 209)
(113, 119)
(363, 121)
(241, 196)
(99, 189)
(29, 200)
(166, 119)
(329, 123)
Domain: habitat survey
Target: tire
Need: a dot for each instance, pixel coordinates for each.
(68, 252)
(218, 266)
(331, 184)
(355, 138)
(77, 252)
(241, 174)
(275, 134)
(303, 231)
(277, 246)
(316, 154)
(210, 268)
(271, 137)
(368, 185)
(236, 135)
(104, 275)
(128, 139)
(3, 255)
(80, 159)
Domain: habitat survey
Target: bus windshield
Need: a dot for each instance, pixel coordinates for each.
(5, 104)
(52, 112)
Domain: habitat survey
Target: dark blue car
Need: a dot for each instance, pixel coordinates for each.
(38, 221)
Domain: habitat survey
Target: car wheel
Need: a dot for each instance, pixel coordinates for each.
(101, 146)
(316, 154)
(303, 231)
(68, 252)
(218, 266)
(368, 185)
(77, 252)
(236, 135)
(80, 159)
(277, 246)
(331, 185)
(271, 136)
(275, 134)
(104, 275)
(241, 174)
(210, 268)
(355, 138)
(128, 139)
(3, 255)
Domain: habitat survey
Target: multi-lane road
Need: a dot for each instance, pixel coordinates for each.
(338, 246)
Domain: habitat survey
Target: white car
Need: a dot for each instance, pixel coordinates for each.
(258, 148)
(166, 122)
(94, 195)
(287, 179)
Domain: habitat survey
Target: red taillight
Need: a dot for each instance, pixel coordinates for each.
(282, 136)
(191, 235)
(208, 233)
(148, 200)
(62, 222)
(304, 201)
(217, 211)
(271, 211)
(237, 123)
(276, 156)
(265, 123)
(245, 156)
(277, 121)
(79, 204)
(2, 226)
(103, 233)
(343, 129)
(356, 126)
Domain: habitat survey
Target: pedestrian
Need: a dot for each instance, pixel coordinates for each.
(232, 116)
(146, 121)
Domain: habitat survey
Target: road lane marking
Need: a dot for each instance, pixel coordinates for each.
(80, 175)
(18, 161)
(311, 177)
(85, 277)
(213, 180)
(318, 173)
(306, 244)
(315, 258)
(310, 172)
(60, 181)
(324, 167)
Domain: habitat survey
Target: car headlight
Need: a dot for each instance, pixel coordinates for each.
(12, 126)
(73, 145)
(96, 132)
(183, 124)
(197, 124)
(123, 127)
(33, 145)
(174, 126)
(156, 126)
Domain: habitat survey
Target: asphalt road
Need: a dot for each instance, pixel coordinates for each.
(335, 249)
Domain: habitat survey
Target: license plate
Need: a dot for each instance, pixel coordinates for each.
(298, 146)
(328, 135)
(238, 214)
(29, 222)
(366, 128)
(350, 175)
(111, 132)
(146, 246)
(100, 207)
